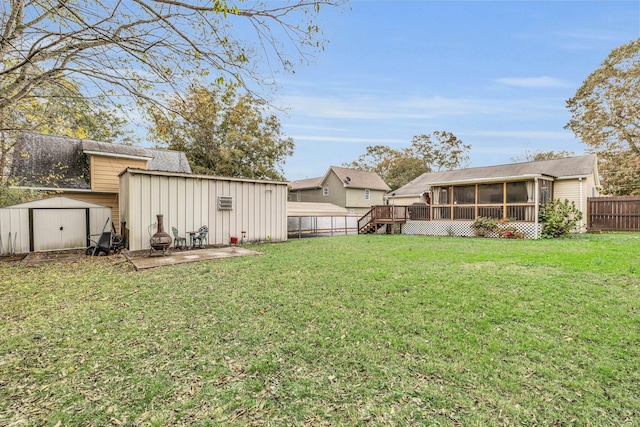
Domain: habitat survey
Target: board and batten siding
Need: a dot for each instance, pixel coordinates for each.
(105, 171)
(188, 202)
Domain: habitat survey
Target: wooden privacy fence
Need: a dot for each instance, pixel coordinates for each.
(614, 213)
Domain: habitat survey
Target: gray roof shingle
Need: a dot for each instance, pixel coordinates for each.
(351, 178)
(62, 162)
(579, 166)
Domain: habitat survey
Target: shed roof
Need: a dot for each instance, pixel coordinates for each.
(62, 162)
(56, 203)
(568, 167)
(133, 171)
(315, 209)
(306, 184)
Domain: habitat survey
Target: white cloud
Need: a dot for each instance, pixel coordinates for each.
(533, 82)
(323, 138)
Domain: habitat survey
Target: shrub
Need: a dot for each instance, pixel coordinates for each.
(484, 226)
(14, 196)
(559, 218)
(506, 231)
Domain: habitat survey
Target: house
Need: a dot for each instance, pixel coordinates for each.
(83, 169)
(353, 189)
(511, 191)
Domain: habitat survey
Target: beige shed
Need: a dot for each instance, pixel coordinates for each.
(229, 207)
(56, 223)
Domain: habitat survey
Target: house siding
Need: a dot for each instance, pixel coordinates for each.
(105, 171)
(337, 191)
(569, 189)
(355, 199)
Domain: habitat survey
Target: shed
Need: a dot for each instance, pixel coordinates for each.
(56, 223)
(255, 210)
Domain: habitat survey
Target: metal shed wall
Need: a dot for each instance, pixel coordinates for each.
(191, 201)
(15, 220)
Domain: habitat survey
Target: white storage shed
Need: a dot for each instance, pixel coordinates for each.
(56, 223)
(229, 207)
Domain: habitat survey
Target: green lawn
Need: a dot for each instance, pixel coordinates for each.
(366, 330)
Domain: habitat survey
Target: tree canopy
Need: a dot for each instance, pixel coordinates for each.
(138, 47)
(59, 108)
(223, 133)
(434, 152)
(538, 155)
(605, 115)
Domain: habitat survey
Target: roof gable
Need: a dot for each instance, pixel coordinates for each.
(354, 178)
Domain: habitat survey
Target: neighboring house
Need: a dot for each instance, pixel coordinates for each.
(83, 169)
(352, 189)
(512, 191)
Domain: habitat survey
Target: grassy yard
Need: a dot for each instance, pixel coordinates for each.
(353, 330)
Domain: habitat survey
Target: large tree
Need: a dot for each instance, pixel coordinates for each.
(59, 108)
(132, 47)
(223, 133)
(605, 115)
(434, 152)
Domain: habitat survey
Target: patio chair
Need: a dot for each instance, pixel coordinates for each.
(201, 237)
(178, 242)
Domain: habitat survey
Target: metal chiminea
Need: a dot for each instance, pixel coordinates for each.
(160, 240)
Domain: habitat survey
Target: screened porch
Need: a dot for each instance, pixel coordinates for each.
(513, 200)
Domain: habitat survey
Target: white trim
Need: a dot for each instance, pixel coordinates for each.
(122, 156)
(57, 189)
(134, 171)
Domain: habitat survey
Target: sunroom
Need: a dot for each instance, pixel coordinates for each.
(515, 200)
(450, 201)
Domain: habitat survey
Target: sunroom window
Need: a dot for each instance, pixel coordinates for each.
(464, 195)
(490, 194)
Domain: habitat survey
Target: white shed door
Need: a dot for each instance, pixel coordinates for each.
(55, 229)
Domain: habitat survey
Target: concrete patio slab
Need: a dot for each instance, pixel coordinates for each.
(141, 259)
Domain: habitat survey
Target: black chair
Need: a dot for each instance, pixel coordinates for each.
(201, 237)
(178, 242)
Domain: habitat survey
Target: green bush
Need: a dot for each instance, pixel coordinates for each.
(484, 226)
(559, 218)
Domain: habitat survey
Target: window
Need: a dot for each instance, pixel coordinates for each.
(440, 195)
(464, 195)
(517, 192)
(225, 203)
(545, 191)
(367, 194)
(325, 191)
(490, 194)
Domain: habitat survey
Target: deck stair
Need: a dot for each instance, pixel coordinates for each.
(381, 216)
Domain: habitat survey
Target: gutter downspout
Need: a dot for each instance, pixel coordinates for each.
(581, 207)
(536, 191)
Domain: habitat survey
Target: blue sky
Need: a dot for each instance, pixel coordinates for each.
(495, 73)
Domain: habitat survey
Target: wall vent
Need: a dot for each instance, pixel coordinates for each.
(225, 203)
